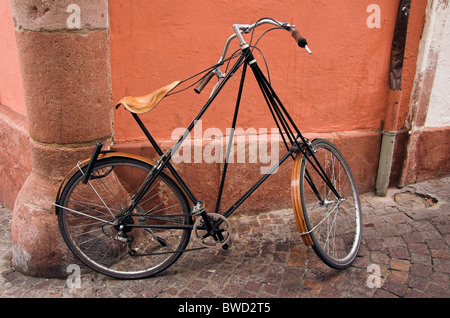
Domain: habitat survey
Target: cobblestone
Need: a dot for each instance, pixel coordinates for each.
(405, 253)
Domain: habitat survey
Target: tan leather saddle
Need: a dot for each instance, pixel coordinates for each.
(144, 104)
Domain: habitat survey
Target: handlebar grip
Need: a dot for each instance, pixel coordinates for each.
(205, 80)
(301, 41)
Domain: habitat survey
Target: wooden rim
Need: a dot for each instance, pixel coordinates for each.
(296, 200)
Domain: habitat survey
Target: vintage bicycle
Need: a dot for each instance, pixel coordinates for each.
(128, 217)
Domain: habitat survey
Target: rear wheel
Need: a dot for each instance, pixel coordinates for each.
(98, 228)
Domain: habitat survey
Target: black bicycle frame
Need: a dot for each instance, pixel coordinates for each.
(292, 139)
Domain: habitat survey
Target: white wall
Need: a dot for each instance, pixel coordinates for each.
(439, 107)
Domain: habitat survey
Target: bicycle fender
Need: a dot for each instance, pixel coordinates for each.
(80, 164)
(296, 200)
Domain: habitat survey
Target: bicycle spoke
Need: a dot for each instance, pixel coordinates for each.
(334, 224)
(97, 226)
(81, 213)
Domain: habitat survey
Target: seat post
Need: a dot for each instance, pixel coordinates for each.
(147, 134)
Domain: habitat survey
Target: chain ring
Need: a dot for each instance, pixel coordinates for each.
(208, 241)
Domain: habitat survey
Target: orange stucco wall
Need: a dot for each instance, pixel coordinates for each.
(342, 86)
(11, 91)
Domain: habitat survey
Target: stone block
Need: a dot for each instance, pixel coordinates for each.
(40, 15)
(37, 246)
(67, 84)
(15, 163)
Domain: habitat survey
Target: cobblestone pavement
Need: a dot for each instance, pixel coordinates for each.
(405, 253)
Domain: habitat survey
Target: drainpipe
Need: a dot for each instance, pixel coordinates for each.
(395, 93)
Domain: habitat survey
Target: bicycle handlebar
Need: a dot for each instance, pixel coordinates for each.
(301, 41)
(204, 81)
(247, 28)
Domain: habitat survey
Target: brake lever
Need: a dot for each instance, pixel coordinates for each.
(220, 77)
(307, 49)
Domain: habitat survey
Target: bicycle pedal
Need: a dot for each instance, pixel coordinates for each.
(227, 245)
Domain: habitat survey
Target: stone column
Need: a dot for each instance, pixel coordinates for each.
(64, 57)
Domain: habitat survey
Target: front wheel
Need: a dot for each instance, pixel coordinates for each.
(97, 226)
(333, 222)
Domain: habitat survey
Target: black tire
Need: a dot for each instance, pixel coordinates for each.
(90, 216)
(335, 225)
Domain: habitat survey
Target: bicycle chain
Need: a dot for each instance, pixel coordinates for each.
(217, 219)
